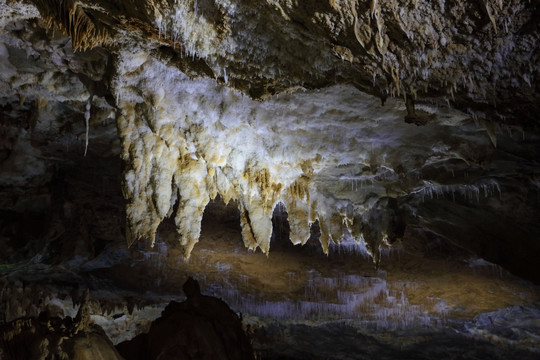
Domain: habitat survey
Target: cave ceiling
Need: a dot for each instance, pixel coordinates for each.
(365, 117)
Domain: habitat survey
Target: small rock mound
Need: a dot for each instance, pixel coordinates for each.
(202, 327)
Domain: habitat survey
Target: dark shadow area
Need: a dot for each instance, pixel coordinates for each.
(201, 327)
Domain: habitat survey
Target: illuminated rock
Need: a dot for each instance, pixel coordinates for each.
(278, 102)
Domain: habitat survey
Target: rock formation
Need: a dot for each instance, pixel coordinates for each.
(400, 130)
(47, 337)
(202, 327)
(184, 82)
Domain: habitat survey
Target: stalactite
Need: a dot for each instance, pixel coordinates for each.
(70, 17)
(491, 15)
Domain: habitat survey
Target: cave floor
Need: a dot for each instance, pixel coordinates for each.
(413, 300)
(458, 288)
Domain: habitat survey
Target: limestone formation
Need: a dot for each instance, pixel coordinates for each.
(49, 337)
(280, 102)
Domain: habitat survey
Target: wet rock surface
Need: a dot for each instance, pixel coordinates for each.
(298, 342)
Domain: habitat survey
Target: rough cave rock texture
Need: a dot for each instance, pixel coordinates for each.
(366, 116)
(51, 337)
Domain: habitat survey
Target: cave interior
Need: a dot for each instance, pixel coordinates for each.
(355, 179)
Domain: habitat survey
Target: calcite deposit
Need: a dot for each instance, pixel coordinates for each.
(47, 336)
(281, 102)
(378, 153)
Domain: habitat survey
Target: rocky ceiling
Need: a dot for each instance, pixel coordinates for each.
(366, 118)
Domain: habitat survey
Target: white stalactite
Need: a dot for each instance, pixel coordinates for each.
(189, 140)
